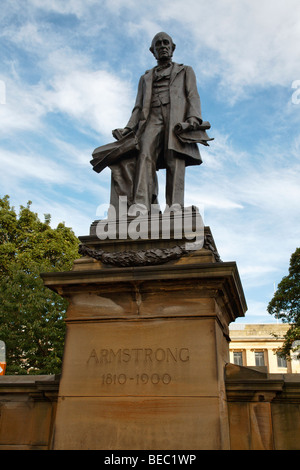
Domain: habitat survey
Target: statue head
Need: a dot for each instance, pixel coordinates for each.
(162, 46)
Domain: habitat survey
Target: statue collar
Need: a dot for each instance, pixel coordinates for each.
(167, 64)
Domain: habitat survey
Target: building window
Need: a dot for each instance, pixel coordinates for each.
(259, 358)
(281, 361)
(238, 358)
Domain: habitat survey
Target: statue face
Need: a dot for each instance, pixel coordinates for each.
(162, 46)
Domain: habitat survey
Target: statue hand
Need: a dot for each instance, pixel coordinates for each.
(194, 122)
(125, 131)
(119, 133)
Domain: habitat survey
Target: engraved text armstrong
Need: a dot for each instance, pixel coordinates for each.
(139, 355)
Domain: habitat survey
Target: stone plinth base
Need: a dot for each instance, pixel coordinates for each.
(145, 353)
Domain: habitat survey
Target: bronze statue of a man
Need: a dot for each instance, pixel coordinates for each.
(167, 97)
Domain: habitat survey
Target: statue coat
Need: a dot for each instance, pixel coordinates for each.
(184, 103)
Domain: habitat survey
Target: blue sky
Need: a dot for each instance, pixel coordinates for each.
(69, 74)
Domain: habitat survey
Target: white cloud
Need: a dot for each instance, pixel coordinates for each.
(243, 42)
(255, 270)
(98, 99)
(276, 191)
(256, 313)
(69, 152)
(216, 200)
(71, 211)
(22, 166)
(75, 7)
(23, 108)
(237, 179)
(29, 35)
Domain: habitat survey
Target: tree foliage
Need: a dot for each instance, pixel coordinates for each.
(286, 303)
(32, 316)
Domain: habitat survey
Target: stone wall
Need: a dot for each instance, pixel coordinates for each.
(27, 411)
(264, 410)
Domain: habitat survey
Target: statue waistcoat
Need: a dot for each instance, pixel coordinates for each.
(161, 86)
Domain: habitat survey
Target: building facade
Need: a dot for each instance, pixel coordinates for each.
(256, 345)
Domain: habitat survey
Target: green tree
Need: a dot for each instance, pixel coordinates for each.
(286, 304)
(32, 316)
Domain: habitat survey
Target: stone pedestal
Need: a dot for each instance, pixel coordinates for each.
(145, 352)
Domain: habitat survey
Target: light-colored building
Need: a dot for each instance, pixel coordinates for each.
(255, 345)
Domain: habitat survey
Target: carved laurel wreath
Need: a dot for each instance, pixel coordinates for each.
(143, 257)
(134, 258)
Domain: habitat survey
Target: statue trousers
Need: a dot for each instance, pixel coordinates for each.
(137, 178)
